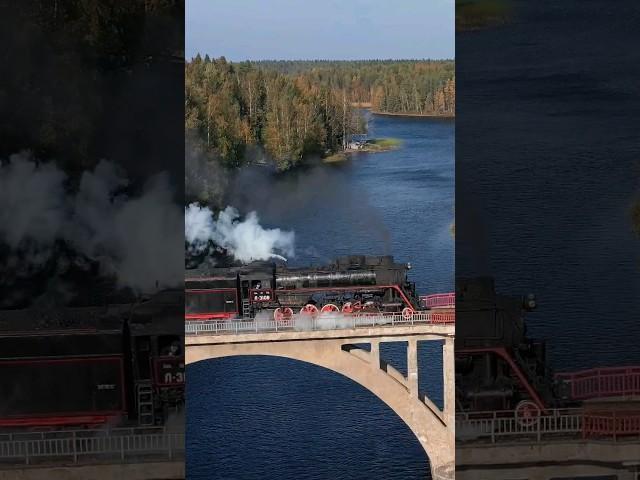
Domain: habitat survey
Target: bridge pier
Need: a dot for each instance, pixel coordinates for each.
(375, 354)
(449, 382)
(412, 367)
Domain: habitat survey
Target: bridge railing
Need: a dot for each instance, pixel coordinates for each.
(611, 424)
(89, 446)
(81, 432)
(438, 300)
(302, 323)
(574, 422)
(602, 382)
(505, 425)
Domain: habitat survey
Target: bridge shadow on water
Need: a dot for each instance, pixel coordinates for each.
(274, 418)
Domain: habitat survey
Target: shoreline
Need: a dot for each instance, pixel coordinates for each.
(414, 115)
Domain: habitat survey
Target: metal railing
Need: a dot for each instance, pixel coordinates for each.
(308, 323)
(505, 425)
(612, 424)
(83, 446)
(438, 300)
(572, 422)
(602, 382)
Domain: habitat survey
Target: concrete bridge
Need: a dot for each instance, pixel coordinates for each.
(553, 459)
(337, 346)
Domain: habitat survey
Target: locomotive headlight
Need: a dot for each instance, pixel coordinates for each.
(408, 266)
(530, 302)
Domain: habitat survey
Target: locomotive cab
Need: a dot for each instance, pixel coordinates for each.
(157, 357)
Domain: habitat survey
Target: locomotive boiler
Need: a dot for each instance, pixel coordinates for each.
(350, 285)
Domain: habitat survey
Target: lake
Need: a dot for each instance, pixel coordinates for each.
(272, 418)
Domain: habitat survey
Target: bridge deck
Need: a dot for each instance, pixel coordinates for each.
(303, 327)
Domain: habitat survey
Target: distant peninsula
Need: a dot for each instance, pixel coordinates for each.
(288, 111)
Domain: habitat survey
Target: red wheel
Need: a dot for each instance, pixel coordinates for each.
(309, 309)
(527, 413)
(407, 313)
(329, 308)
(347, 308)
(282, 313)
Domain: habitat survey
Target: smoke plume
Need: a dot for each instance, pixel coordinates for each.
(245, 239)
(130, 237)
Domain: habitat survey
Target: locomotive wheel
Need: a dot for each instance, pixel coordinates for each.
(329, 308)
(309, 309)
(347, 308)
(282, 313)
(527, 413)
(407, 313)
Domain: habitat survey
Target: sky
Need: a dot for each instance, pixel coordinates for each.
(320, 29)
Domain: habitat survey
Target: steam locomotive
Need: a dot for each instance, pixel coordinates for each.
(351, 285)
(498, 367)
(87, 366)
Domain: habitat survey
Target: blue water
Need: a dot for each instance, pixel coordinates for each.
(271, 418)
(548, 165)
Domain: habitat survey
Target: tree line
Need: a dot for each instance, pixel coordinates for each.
(424, 87)
(289, 110)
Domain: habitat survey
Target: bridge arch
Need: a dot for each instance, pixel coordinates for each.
(432, 428)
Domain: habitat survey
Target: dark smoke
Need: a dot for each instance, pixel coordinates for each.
(206, 179)
(52, 229)
(316, 188)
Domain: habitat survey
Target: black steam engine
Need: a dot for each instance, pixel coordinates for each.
(498, 367)
(87, 366)
(352, 284)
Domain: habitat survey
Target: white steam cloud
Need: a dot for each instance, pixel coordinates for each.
(245, 239)
(133, 238)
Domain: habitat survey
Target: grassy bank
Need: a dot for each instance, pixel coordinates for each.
(372, 145)
(335, 158)
(384, 143)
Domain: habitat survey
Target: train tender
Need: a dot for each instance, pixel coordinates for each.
(86, 366)
(351, 285)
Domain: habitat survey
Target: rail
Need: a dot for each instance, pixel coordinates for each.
(438, 300)
(602, 382)
(307, 323)
(80, 432)
(83, 446)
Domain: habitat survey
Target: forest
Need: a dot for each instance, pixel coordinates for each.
(291, 110)
(392, 86)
